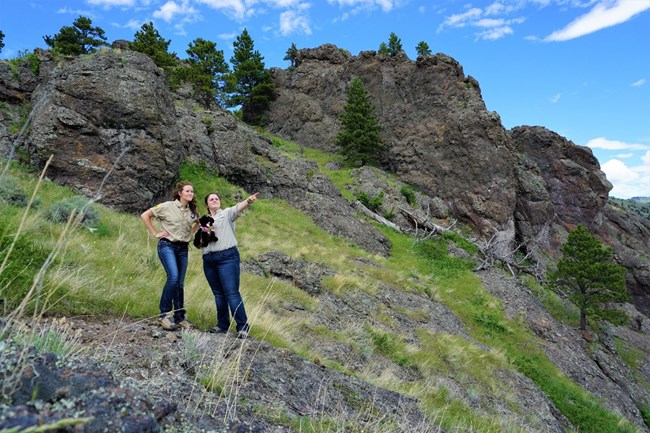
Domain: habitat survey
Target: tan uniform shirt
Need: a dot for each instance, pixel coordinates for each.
(176, 219)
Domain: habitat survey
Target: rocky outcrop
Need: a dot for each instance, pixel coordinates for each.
(246, 158)
(107, 112)
(438, 134)
(629, 236)
(526, 186)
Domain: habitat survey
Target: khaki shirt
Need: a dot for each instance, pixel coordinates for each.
(176, 219)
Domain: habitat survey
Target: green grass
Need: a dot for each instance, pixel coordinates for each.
(114, 269)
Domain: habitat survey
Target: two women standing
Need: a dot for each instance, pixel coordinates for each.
(220, 259)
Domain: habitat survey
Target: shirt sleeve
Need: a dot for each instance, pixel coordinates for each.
(232, 213)
(160, 210)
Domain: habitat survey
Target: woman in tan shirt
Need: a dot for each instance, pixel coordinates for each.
(178, 220)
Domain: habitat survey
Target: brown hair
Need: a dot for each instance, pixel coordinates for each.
(205, 200)
(179, 190)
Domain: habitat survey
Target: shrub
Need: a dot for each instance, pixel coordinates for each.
(409, 194)
(372, 203)
(60, 211)
(11, 192)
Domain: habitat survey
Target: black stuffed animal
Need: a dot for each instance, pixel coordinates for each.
(205, 234)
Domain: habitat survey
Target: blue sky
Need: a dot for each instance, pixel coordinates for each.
(580, 68)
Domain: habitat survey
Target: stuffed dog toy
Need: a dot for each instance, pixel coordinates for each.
(205, 234)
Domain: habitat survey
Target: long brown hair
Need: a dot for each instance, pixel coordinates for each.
(179, 190)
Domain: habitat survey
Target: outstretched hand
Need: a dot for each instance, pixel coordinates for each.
(252, 198)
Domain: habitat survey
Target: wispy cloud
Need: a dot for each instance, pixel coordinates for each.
(605, 14)
(236, 9)
(482, 19)
(171, 10)
(385, 5)
(603, 143)
(638, 83)
(134, 25)
(294, 20)
(76, 12)
(112, 3)
(555, 98)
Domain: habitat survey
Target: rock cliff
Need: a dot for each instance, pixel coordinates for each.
(524, 187)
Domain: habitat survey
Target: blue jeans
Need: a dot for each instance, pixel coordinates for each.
(173, 257)
(221, 269)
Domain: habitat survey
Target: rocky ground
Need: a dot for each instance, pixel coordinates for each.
(128, 375)
(134, 377)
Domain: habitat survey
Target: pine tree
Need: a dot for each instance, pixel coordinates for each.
(587, 275)
(291, 54)
(423, 49)
(80, 38)
(148, 41)
(383, 49)
(359, 137)
(249, 85)
(394, 45)
(205, 71)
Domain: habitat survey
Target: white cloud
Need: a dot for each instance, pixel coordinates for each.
(625, 155)
(603, 143)
(605, 14)
(494, 34)
(629, 181)
(134, 25)
(498, 27)
(76, 12)
(235, 8)
(555, 98)
(617, 171)
(386, 5)
(169, 10)
(110, 3)
(638, 83)
(464, 19)
(292, 21)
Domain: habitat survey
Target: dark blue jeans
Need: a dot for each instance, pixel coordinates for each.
(221, 269)
(173, 257)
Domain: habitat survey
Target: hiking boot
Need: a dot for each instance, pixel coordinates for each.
(167, 323)
(243, 334)
(185, 324)
(217, 330)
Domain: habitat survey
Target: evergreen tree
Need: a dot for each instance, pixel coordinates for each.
(2, 43)
(206, 66)
(423, 49)
(148, 41)
(359, 137)
(80, 38)
(587, 275)
(249, 84)
(394, 45)
(383, 49)
(291, 54)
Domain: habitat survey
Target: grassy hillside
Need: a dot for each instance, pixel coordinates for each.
(640, 206)
(111, 268)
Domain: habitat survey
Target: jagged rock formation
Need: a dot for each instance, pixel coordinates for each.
(439, 135)
(528, 185)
